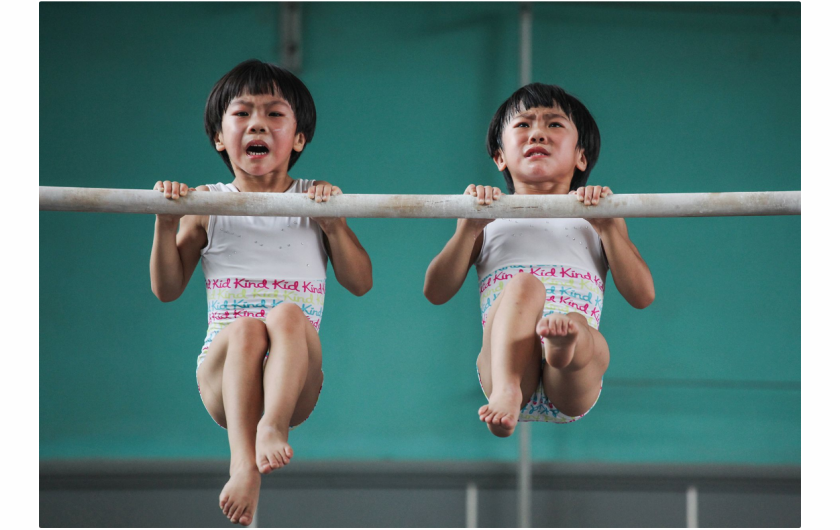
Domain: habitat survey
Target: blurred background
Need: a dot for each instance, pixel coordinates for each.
(703, 389)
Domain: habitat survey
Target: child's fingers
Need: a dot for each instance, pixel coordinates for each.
(470, 190)
(596, 194)
(158, 186)
(606, 191)
(497, 193)
(336, 191)
(579, 193)
(167, 189)
(316, 192)
(326, 193)
(184, 190)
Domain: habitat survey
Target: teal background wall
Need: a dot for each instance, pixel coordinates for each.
(688, 97)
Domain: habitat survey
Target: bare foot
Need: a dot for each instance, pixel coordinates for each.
(502, 412)
(560, 334)
(273, 449)
(240, 496)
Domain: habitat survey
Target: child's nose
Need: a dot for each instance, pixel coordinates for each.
(537, 134)
(257, 123)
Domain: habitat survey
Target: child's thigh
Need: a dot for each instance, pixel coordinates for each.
(574, 392)
(245, 335)
(530, 349)
(285, 324)
(314, 378)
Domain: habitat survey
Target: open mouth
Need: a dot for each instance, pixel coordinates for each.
(257, 149)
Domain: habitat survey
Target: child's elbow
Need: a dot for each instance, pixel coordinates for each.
(362, 289)
(164, 296)
(433, 296)
(644, 300)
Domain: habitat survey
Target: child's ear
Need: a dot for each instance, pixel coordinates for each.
(300, 141)
(220, 142)
(581, 160)
(499, 159)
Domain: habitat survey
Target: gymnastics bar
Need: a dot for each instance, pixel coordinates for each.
(421, 206)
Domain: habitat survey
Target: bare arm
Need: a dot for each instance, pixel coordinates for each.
(175, 252)
(351, 262)
(448, 270)
(630, 272)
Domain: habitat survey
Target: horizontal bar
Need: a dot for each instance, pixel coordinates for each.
(420, 206)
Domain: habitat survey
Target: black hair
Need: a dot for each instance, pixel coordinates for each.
(256, 77)
(541, 95)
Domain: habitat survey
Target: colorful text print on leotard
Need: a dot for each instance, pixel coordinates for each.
(567, 289)
(232, 298)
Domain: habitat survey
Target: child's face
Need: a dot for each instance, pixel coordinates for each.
(258, 133)
(539, 145)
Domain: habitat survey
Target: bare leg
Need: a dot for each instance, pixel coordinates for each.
(231, 388)
(291, 382)
(511, 354)
(576, 357)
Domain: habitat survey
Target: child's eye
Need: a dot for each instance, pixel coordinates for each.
(277, 114)
(523, 124)
(556, 124)
(240, 113)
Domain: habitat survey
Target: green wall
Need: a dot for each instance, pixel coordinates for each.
(688, 97)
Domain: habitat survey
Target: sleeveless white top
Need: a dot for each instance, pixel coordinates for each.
(254, 263)
(565, 254)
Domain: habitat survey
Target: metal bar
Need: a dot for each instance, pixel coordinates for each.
(420, 206)
(523, 476)
(525, 25)
(292, 48)
(472, 505)
(691, 508)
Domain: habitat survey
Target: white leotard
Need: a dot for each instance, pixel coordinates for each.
(565, 254)
(254, 263)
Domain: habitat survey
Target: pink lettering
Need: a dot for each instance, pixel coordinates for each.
(309, 288)
(258, 314)
(500, 276)
(218, 284)
(283, 284)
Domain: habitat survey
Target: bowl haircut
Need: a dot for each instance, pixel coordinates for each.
(257, 78)
(541, 95)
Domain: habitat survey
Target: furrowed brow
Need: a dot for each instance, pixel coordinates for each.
(271, 103)
(553, 115)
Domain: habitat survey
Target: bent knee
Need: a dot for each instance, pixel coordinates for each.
(525, 286)
(286, 317)
(248, 334)
(577, 317)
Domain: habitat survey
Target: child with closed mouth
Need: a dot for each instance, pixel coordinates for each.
(541, 281)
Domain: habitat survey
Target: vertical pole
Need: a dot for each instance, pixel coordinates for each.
(523, 477)
(525, 24)
(472, 505)
(524, 469)
(691, 508)
(291, 53)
